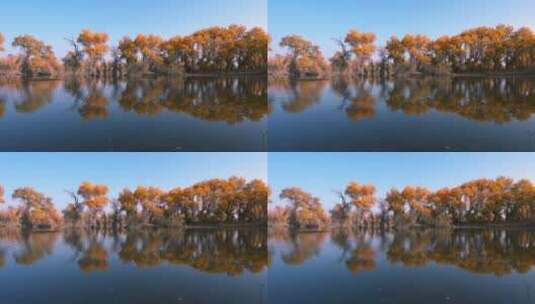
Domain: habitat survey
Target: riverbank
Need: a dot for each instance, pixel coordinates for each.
(137, 227)
(411, 75)
(17, 76)
(503, 226)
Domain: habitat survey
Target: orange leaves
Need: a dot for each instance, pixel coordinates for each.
(211, 201)
(207, 50)
(128, 50)
(362, 196)
(362, 44)
(94, 195)
(214, 49)
(37, 210)
(127, 202)
(38, 58)
(1, 42)
(395, 50)
(306, 211)
(305, 58)
(94, 44)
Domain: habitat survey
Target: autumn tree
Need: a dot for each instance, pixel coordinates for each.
(254, 50)
(151, 202)
(37, 210)
(150, 50)
(128, 50)
(94, 46)
(417, 48)
(74, 59)
(94, 198)
(341, 60)
(233, 200)
(128, 204)
(306, 211)
(362, 46)
(38, 59)
(362, 197)
(395, 50)
(74, 211)
(279, 215)
(254, 197)
(306, 59)
(2, 40)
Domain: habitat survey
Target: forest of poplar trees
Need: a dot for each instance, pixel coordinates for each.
(500, 201)
(232, 201)
(482, 50)
(218, 49)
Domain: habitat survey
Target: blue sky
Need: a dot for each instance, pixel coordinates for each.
(53, 173)
(52, 21)
(323, 173)
(321, 20)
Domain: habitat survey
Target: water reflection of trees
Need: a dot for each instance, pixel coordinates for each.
(495, 252)
(230, 100)
(218, 251)
(89, 98)
(358, 253)
(301, 95)
(486, 251)
(27, 96)
(299, 246)
(358, 102)
(34, 246)
(499, 100)
(230, 251)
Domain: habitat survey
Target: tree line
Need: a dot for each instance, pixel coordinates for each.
(216, 49)
(499, 201)
(216, 201)
(484, 49)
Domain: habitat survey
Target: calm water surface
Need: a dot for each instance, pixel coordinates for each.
(196, 266)
(415, 266)
(194, 114)
(460, 114)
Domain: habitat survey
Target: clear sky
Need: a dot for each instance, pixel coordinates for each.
(324, 173)
(53, 173)
(321, 20)
(52, 21)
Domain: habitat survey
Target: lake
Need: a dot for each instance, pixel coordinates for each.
(192, 114)
(149, 266)
(427, 114)
(413, 266)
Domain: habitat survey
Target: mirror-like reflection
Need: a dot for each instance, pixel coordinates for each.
(137, 114)
(196, 266)
(376, 266)
(403, 114)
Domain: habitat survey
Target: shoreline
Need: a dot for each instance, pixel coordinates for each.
(414, 76)
(11, 77)
(141, 227)
(516, 226)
